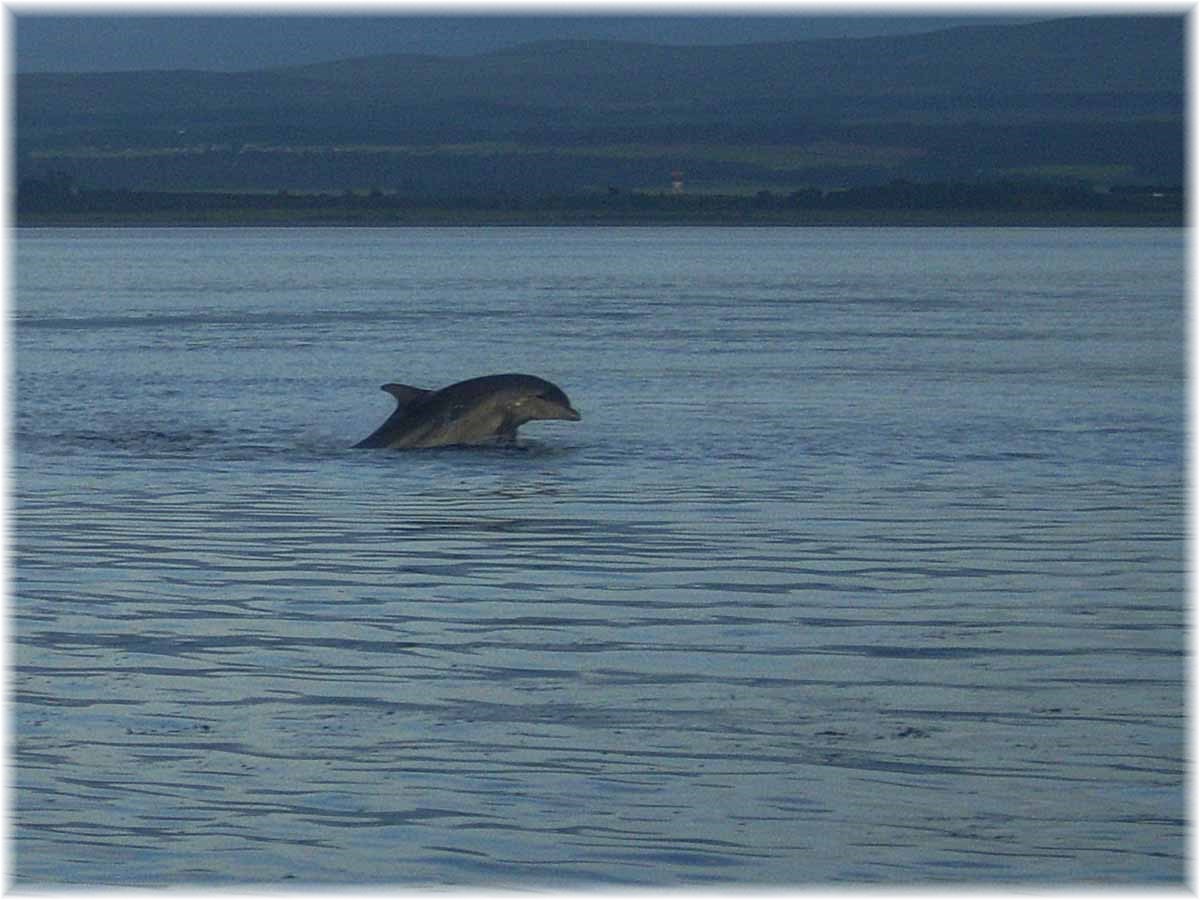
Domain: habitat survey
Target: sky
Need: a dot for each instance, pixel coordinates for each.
(54, 40)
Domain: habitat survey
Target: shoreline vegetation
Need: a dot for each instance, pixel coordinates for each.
(55, 201)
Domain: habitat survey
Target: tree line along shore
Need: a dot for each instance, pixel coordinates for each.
(55, 200)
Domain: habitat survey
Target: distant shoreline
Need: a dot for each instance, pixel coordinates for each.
(418, 218)
(56, 202)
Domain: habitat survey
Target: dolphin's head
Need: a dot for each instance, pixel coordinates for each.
(543, 400)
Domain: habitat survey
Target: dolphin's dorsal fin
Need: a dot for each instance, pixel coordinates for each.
(405, 394)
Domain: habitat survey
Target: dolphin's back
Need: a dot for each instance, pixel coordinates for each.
(487, 385)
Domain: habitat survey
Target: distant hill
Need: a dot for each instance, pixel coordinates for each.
(1084, 55)
(1096, 99)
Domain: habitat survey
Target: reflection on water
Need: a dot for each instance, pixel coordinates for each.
(734, 628)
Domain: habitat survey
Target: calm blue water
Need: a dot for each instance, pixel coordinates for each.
(865, 564)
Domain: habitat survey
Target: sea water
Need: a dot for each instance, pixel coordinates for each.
(865, 564)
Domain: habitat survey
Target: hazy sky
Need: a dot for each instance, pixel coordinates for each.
(87, 42)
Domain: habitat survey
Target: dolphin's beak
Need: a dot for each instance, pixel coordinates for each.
(548, 408)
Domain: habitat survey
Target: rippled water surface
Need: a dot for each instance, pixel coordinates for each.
(864, 565)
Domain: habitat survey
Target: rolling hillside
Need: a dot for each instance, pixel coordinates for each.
(1087, 99)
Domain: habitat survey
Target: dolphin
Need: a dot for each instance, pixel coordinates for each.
(482, 410)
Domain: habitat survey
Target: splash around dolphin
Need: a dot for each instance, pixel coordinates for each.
(482, 410)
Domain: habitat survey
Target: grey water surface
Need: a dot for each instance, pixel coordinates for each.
(864, 566)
